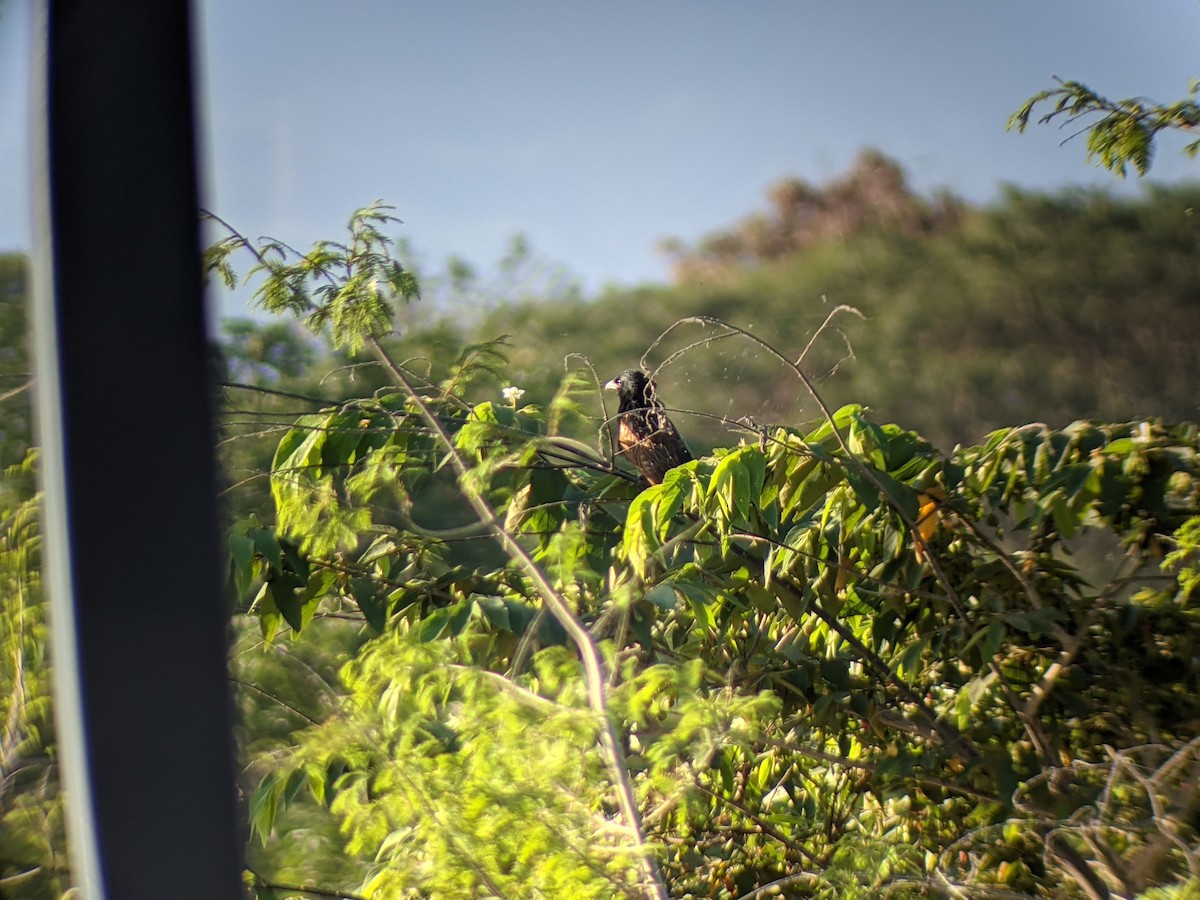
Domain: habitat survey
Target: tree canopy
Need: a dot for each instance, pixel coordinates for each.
(874, 641)
(826, 658)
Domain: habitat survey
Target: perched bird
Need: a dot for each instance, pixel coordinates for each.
(645, 436)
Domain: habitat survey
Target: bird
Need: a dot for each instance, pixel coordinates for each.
(645, 436)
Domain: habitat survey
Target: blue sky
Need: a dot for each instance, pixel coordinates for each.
(598, 129)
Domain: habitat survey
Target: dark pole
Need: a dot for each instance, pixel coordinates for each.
(132, 559)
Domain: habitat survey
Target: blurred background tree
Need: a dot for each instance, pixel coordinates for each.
(33, 861)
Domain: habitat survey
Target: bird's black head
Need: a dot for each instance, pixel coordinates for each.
(631, 386)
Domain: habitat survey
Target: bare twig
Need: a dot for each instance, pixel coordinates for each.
(254, 687)
(8, 395)
(258, 389)
(860, 467)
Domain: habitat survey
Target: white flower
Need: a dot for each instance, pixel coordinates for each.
(512, 394)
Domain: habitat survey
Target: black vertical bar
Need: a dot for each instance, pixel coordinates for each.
(132, 548)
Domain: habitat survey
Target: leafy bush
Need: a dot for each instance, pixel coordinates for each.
(829, 658)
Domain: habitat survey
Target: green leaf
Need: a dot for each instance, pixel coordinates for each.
(761, 598)
(546, 509)
(1033, 622)
(866, 441)
(495, 611)
(640, 539)
(241, 550)
(342, 441)
(724, 766)
(241, 555)
(371, 603)
(264, 806)
(864, 488)
(836, 673)
(732, 483)
(286, 601)
(301, 447)
(807, 488)
(992, 641)
(663, 596)
(483, 425)
(433, 626)
(703, 599)
(669, 500)
(841, 419)
(267, 545)
(909, 663)
(899, 496)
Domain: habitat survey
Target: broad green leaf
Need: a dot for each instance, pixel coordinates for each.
(495, 611)
(267, 544)
(663, 596)
(434, 625)
(866, 441)
(730, 485)
(669, 500)
(241, 554)
(761, 598)
(841, 419)
(286, 601)
(836, 673)
(640, 539)
(899, 496)
(372, 603)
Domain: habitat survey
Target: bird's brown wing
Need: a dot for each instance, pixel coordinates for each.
(649, 440)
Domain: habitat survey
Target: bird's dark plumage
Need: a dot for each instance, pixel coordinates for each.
(645, 436)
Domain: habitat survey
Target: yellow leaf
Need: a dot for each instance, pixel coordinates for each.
(929, 516)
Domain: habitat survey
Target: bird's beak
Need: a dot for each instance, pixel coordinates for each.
(613, 385)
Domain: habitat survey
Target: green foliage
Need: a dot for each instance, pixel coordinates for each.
(429, 770)
(15, 379)
(836, 660)
(1125, 130)
(816, 637)
(839, 662)
(836, 657)
(1184, 891)
(1185, 557)
(282, 687)
(350, 288)
(33, 861)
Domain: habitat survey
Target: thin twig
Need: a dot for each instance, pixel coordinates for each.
(8, 395)
(292, 395)
(254, 687)
(862, 468)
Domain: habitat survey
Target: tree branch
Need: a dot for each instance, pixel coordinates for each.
(588, 650)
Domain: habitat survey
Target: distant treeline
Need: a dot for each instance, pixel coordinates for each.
(1037, 307)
